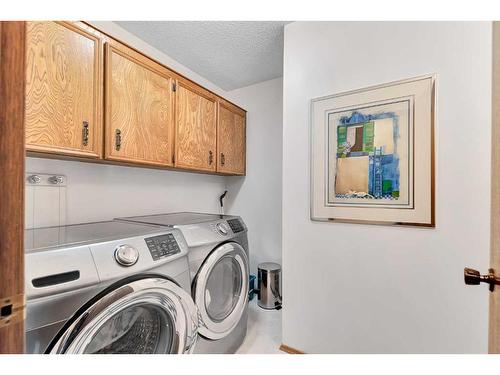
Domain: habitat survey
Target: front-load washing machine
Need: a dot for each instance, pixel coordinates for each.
(108, 287)
(218, 260)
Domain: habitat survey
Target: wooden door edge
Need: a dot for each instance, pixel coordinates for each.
(61, 151)
(12, 155)
(290, 350)
(494, 299)
(135, 162)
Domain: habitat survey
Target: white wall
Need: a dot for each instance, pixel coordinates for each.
(257, 197)
(373, 289)
(101, 192)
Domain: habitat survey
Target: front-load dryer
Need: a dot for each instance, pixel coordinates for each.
(218, 260)
(108, 287)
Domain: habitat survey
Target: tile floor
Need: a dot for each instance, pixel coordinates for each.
(264, 331)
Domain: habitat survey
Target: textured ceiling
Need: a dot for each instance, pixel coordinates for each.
(230, 54)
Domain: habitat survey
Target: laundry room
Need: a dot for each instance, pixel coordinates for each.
(236, 184)
(202, 189)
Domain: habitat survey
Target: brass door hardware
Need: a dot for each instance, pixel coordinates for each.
(473, 277)
(11, 310)
(222, 159)
(85, 132)
(210, 157)
(118, 139)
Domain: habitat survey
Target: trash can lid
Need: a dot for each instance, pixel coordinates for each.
(269, 266)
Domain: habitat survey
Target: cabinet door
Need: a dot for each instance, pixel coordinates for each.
(195, 128)
(63, 89)
(231, 139)
(139, 108)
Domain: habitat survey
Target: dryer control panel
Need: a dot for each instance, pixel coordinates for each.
(162, 246)
(236, 225)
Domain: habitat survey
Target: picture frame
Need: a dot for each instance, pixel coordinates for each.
(372, 154)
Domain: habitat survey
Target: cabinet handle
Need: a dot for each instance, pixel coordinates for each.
(210, 157)
(85, 133)
(118, 139)
(222, 159)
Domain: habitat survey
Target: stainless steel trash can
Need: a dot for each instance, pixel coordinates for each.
(269, 284)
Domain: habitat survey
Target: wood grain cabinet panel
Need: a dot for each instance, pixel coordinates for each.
(63, 89)
(231, 139)
(196, 127)
(139, 108)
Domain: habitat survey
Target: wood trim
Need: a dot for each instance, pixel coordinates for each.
(232, 107)
(494, 308)
(200, 90)
(61, 151)
(290, 350)
(12, 82)
(132, 55)
(180, 76)
(121, 163)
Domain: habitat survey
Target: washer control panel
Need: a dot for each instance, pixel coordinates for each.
(162, 246)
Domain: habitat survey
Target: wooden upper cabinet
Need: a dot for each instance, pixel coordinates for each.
(139, 108)
(231, 139)
(196, 128)
(89, 95)
(63, 89)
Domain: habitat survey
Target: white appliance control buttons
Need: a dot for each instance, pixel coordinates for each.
(222, 228)
(126, 255)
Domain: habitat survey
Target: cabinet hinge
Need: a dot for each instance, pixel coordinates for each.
(174, 87)
(11, 310)
(173, 158)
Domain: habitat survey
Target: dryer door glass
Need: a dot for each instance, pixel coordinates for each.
(220, 290)
(146, 316)
(223, 288)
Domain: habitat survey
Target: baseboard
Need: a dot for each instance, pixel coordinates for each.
(290, 350)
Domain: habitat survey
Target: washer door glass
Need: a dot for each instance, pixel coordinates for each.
(220, 290)
(146, 316)
(223, 288)
(141, 329)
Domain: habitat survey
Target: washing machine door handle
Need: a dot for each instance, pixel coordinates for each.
(235, 258)
(172, 307)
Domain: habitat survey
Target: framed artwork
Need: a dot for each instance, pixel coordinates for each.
(372, 154)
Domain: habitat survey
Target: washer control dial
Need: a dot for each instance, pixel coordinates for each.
(126, 255)
(222, 228)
